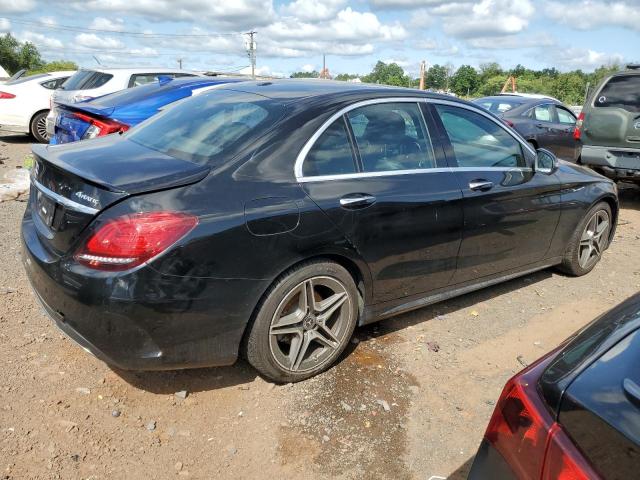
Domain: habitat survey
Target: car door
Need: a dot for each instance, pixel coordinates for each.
(565, 125)
(510, 212)
(380, 177)
(544, 132)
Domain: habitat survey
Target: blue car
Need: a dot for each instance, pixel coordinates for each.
(119, 111)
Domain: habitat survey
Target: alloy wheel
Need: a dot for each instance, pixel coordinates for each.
(594, 239)
(310, 324)
(41, 127)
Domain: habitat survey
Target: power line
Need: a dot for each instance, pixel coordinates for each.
(72, 28)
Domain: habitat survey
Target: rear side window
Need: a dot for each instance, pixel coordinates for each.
(331, 154)
(210, 128)
(53, 84)
(478, 141)
(86, 80)
(621, 92)
(391, 136)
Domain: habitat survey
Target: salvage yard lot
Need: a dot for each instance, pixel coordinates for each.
(410, 399)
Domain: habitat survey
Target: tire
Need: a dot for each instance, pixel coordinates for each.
(591, 237)
(291, 339)
(38, 127)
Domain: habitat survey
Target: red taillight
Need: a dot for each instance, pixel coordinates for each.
(131, 240)
(100, 127)
(526, 435)
(6, 95)
(577, 132)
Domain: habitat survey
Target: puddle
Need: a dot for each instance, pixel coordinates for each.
(350, 421)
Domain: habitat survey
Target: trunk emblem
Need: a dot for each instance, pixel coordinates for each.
(636, 125)
(87, 198)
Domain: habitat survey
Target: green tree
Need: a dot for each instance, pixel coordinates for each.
(465, 81)
(346, 76)
(313, 74)
(436, 77)
(15, 55)
(55, 66)
(388, 74)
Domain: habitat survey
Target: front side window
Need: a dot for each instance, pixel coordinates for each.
(565, 117)
(331, 154)
(391, 136)
(621, 92)
(478, 141)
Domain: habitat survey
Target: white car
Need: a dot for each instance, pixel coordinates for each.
(86, 84)
(25, 103)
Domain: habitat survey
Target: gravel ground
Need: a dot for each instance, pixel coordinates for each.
(410, 399)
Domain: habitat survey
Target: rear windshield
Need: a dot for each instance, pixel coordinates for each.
(27, 79)
(86, 80)
(497, 105)
(209, 128)
(621, 92)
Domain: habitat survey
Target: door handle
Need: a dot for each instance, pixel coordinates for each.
(480, 185)
(540, 125)
(357, 200)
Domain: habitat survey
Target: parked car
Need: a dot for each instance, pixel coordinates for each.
(609, 127)
(24, 103)
(270, 218)
(543, 121)
(575, 413)
(119, 111)
(86, 84)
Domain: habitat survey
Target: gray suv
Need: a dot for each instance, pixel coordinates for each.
(609, 127)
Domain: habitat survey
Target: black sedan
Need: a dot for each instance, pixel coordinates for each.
(543, 122)
(575, 413)
(271, 218)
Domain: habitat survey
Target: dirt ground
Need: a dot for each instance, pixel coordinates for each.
(438, 372)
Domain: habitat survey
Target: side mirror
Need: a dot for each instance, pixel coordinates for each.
(546, 162)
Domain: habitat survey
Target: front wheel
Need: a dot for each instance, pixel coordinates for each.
(589, 241)
(38, 127)
(303, 323)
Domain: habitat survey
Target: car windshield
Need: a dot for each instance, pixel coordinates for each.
(86, 79)
(27, 79)
(209, 128)
(497, 105)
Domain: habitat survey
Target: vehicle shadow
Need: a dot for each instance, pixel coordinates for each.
(192, 380)
(14, 138)
(462, 471)
(430, 312)
(629, 195)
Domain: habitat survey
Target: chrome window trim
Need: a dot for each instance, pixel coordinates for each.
(317, 178)
(78, 207)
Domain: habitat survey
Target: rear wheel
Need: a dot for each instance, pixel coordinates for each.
(303, 323)
(589, 241)
(38, 127)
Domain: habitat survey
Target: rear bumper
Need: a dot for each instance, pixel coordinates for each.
(142, 320)
(615, 163)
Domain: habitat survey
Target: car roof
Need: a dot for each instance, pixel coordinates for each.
(292, 90)
(139, 70)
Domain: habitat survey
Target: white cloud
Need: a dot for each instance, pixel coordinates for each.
(421, 18)
(16, 6)
(308, 68)
(91, 40)
(409, 4)
(40, 40)
(101, 23)
(231, 14)
(311, 10)
(488, 18)
(5, 25)
(589, 14)
(512, 42)
(582, 58)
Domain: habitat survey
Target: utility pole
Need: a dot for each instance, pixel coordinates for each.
(180, 63)
(324, 66)
(251, 52)
(423, 67)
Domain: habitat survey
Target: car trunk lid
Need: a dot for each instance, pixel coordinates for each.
(71, 185)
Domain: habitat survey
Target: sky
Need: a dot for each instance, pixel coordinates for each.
(354, 34)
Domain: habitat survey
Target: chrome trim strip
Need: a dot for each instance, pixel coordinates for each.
(307, 147)
(78, 207)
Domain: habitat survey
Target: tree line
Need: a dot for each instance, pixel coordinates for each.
(467, 81)
(16, 55)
